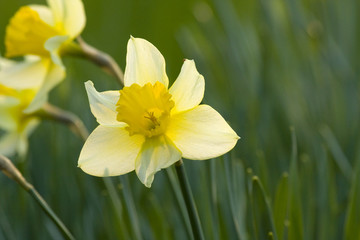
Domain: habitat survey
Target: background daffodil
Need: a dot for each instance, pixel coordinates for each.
(19, 82)
(46, 32)
(146, 126)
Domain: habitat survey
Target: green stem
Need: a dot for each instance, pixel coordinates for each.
(177, 193)
(103, 60)
(8, 168)
(189, 201)
(54, 113)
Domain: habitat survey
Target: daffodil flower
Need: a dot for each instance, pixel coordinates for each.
(47, 32)
(146, 126)
(19, 82)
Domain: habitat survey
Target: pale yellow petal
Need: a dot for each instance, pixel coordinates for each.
(156, 153)
(25, 74)
(103, 104)
(45, 13)
(24, 133)
(53, 45)
(201, 133)
(144, 63)
(9, 143)
(57, 9)
(8, 106)
(70, 14)
(16, 141)
(53, 77)
(110, 151)
(188, 89)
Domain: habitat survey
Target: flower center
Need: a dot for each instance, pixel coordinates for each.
(27, 34)
(145, 109)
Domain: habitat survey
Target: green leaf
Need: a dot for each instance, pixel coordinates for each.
(281, 204)
(352, 223)
(263, 203)
(296, 229)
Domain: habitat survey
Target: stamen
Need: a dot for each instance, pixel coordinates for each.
(145, 109)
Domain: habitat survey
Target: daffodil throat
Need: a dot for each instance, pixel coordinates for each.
(145, 109)
(27, 34)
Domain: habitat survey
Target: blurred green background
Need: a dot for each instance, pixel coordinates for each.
(284, 73)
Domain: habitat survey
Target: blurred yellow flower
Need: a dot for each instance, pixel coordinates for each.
(146, 126)
(19, 83)
(45, 31)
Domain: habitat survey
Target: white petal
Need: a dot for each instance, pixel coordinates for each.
(57, 8)
(9, 143)
(5, 63)
(156, 153)
(44, 12)
(188, 89)
(75, 18)
(53, 45)
(71, 14)
(110, 151)
(201, 133)
(8, 109)
(17, 142)
(103, 104)
(23, 142)
(53, 77)
(144, 64)
(23, 75)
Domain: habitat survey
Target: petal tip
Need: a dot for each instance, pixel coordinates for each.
(88, 83)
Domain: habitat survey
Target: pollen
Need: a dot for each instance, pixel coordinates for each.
(145, 109)
(27, 34)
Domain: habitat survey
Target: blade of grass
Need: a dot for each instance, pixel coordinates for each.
(336, 151)
(258, 186)
(214, 200)
(5, 226)
(189, 201)
(352, 222)
(296, 229)
(130, 206)
(8, 168)
(179, 200)
(323, 182)
(281, 204)
(236, 190)
(254, 229)
(117, 205)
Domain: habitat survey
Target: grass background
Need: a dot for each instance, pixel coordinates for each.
(284, 73)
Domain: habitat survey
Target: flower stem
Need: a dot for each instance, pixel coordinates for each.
(189, 201)
(103, 60)
(54, 113)
(8, 168)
